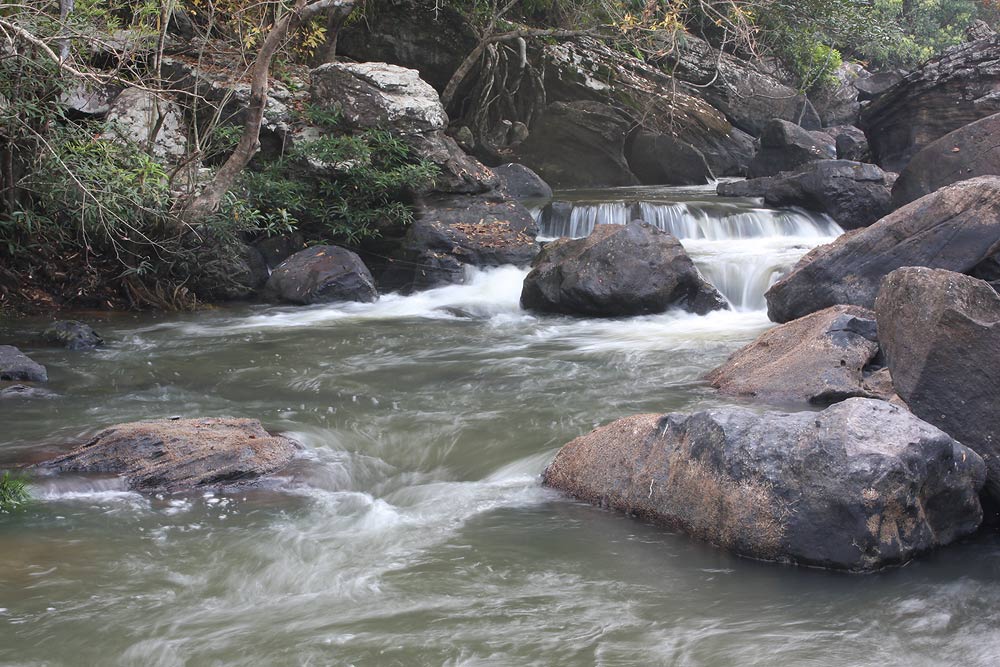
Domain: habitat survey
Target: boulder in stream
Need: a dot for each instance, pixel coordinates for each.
(818, 359)
(941, 334)
(785, 146)
(618, 271)
(860, 486)
(73, 335)
(322, 274)
(17, 366)
(522, 183)
(171, 455)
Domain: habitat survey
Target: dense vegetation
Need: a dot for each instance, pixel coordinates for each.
(13, 492)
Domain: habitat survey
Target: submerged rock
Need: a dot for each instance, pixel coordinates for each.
(955, 228)
(322, 274)
(619, 270)
(859, 486)
(17, 366)
(181, 454)
(21, 391)
(941, 335)
(819, 359)
(73, 335)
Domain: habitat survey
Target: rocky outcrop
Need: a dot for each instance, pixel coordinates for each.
(970, 151)
(785, 146)
(837, 101)
(617, 271)
(17, 366)
(955, 228)
(322, 274)
(522, 183)
(657, 158)
(859, 486)
(819, 359)
(949, 91)
(135, 114)
(854, 194)
(172, 455)
(941, 335)
(73, 335)
(452, 233)
(851, 143)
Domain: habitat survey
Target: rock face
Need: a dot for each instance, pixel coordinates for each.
(941, 335)
(819, 359)
(785, 146)
(619, 270)
(952, 90)
(72, 335)
(451, 233)
(15, 365)
(969, 151)
(854, 194)
(657, 158)
(322, 274)
(955, 228)
(522, 183)
(837, 102)
(859, 486)
(135, 113)
(173, 455)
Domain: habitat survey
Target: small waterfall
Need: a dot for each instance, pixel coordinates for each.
(739, 247)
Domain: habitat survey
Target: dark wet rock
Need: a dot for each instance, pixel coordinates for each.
(227, 271)
(16, 366)
(785, 146)
(276, 249)
(522, 183)
(862, 485)
(970, 151)
(451, 233)
(25, 392)
(579, 144)
(73, 335)
(954, 228)
(851, 143)
(871, 86)
(658, 159)
(171, 455)
(945, 93)
(322, 274)
(941, 334)
(819, 359)
(854, 194)
(619, 270)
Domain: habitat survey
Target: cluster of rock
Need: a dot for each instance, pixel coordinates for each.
(20, 375)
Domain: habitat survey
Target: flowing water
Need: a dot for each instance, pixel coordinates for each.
(415, 530)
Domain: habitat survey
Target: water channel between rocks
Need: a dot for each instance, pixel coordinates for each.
(415, 530)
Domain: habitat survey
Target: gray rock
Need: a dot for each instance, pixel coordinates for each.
(15, 365)
(941, 334)
(785, 146)
(172, 455)
(619, 270)
(819, 359)
(658, 159)
(73, 335)
(24, 392)
(837, 102)
(135, 113)
(522, 183)
(322, 274)
(954, 228)
(851, 143)
(859, 486)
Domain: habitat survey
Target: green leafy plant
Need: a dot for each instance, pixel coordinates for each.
(13, 492)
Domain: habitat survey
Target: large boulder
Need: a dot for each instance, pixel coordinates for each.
(73, 335)
(954, 89)
(150, 120)
(941, 334)
(322, 274)
(854, 194)
(955, 228)
(579, 144)
(862, 485)
(619, 270)
(451, 233)
(819, 359)
(172, 455)
(658, 159)
(970, 151)
(785, 146)
(837, 101)
(522, 183)
(17, 366)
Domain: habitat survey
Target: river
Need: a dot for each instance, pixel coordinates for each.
(415, 530)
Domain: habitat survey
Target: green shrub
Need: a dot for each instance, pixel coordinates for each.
(13, 492)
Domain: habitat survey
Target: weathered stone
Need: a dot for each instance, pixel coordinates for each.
(819, 359)
(619, 270)
(954, 228)
(970, 151)
(658, 159)
(837, 101)
(851, 143)
(15, 365)
(276, 249)
(859, 486)
(174, 455)
(522, 183)
(72, 335)
(134, 115)
(322, 274)
(941, 334)
(785, 146)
